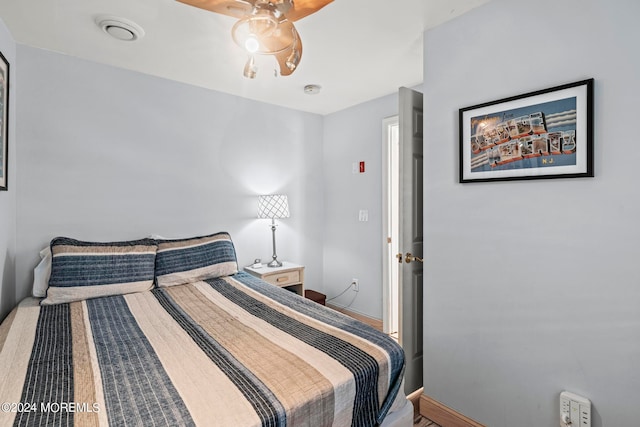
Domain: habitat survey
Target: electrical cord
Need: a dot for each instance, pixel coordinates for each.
(342, 293)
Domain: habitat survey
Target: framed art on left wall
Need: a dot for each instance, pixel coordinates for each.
(4, 120)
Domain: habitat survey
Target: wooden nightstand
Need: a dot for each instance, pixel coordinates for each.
(289, 276)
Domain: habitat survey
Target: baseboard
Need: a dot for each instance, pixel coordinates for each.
(376, 323)
(443, 415)
(414, 398)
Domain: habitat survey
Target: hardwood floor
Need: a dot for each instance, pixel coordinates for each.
(364, 319)
(420, 421)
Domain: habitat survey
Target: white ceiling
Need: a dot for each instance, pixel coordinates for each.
(357, 50)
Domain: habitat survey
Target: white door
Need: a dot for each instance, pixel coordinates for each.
(411, 235)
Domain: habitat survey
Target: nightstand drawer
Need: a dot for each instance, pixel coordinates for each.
(284, 278)
(290, 276)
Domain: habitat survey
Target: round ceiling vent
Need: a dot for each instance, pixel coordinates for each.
(120, 28)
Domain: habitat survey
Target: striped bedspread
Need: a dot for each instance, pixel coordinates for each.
(233, 351)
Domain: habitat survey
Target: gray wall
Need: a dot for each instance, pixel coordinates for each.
(8, 198)
(513, 313)
(353, 249)
(532, 287)
(107, 154)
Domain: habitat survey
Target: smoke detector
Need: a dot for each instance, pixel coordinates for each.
(312, 89)
(120, 28)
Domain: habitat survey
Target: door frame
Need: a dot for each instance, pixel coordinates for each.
(387, 258)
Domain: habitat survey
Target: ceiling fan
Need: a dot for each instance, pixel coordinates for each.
(265, 27)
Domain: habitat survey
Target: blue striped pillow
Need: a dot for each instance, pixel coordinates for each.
(197, 258)
(82, 270)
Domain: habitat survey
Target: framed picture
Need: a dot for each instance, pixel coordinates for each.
(4, 120)
(543, 134)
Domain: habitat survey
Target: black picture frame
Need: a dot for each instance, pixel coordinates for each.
(538, 135)
(4, 121)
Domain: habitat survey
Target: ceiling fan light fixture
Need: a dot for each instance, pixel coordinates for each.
(283, 6)
(265, 27)
(263, 21)
(251, 44)
(250, 68)
(293, 59)
(251, 29)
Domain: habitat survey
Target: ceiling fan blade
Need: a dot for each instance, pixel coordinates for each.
(240, 8)
(302, 8)
(234, 8)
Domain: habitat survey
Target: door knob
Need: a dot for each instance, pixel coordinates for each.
(408, 258)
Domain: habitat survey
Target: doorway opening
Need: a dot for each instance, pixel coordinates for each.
(391, 224)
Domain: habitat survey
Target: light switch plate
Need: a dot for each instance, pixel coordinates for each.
(575, 410)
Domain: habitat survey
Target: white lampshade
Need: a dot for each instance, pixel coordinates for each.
(273, 206)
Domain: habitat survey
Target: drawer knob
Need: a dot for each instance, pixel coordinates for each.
(282, 279)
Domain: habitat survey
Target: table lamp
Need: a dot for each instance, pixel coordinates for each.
(273, 206)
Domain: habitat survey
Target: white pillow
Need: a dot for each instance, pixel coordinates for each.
(41, 274)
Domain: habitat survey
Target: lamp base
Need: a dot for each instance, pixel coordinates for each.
(274, 263)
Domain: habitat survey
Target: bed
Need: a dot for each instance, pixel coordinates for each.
(169, 332)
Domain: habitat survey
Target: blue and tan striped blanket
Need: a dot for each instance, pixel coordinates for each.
(232, 351)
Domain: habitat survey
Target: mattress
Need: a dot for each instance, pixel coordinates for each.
(230, 351)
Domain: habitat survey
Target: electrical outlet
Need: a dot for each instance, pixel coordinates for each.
(355, 285)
